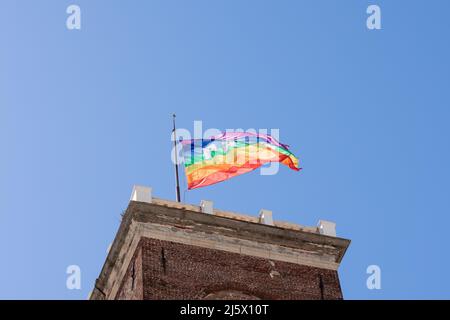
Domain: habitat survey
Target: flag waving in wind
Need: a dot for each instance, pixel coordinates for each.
(208, 161)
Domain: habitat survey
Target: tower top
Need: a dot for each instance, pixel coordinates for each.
(177, 228)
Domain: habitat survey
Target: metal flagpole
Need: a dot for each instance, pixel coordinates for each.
(176, 159)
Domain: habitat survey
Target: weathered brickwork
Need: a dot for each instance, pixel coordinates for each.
(167, 270)
(132, 283)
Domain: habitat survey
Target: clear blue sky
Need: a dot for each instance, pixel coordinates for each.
(85, 114)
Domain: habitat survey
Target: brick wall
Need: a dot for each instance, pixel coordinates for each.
(168, 270)
(132, 283)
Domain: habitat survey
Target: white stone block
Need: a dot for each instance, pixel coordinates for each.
(207, 206)
(141, 194)
(327, 228)
(265, 217)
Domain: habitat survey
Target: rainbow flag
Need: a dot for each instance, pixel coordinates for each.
(208, 161)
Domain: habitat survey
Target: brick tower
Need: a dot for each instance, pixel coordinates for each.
(171, 250)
